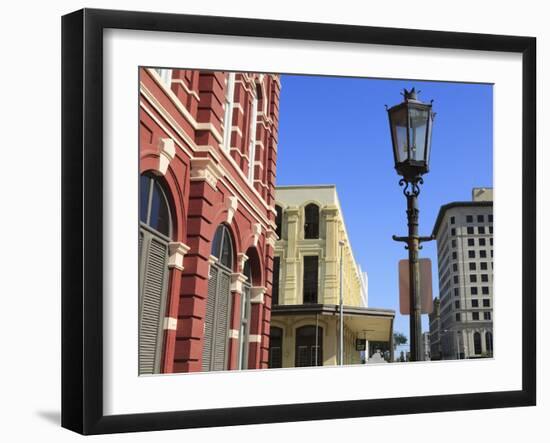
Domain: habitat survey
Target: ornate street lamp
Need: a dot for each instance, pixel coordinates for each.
(411, 133)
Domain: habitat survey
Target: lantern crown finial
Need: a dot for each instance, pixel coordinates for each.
(411, 95)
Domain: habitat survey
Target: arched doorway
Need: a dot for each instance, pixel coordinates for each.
(218, 303)
(155, 232)
(309, 346)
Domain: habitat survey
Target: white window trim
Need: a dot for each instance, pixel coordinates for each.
(252, 142)
(228, 115)
(165, 75)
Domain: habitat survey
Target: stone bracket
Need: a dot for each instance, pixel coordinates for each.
(177, 251)
(167, 152)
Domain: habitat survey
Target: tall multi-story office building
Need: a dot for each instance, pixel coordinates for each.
(464, 233)
(304, 329)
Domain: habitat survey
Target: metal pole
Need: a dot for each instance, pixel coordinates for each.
(316, 338)
(414, 279)
(341, 302)
(457, 346)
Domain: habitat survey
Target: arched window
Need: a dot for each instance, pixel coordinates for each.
(218, 303)
(309, 346)
(275, 347)
(477, 343)
(279, 221)
(222, 246)
(489, 342)
(311, 225)
(154, 210)
(154, 235)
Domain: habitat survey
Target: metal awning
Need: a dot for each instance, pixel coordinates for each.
(371, 323)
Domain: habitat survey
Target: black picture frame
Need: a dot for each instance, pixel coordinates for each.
(82, 218)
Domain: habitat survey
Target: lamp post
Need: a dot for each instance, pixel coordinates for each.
(411, 129)
(341, 347)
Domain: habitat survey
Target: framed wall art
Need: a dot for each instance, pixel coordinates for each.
(231, 188)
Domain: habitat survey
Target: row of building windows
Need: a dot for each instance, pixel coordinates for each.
(475, 316)
(484, 278)
(470, 219)
(311, 221)
(474, 290)
(481, 242)
(470, 230)
(475, 303)
(483, 266)
(472, 253)
(472, 266)
(473, 277)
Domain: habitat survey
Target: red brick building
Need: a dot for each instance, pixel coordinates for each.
(208, 150)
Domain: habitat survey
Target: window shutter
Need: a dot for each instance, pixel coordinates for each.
(154, 280)
(209, 320)
(221, 326)
(244, 327)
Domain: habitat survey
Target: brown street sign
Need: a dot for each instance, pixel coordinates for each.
(426, 298)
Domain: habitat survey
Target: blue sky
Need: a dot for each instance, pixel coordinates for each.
(334, 130)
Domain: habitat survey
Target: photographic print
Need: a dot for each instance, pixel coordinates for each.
(259, 213)
(293, 221)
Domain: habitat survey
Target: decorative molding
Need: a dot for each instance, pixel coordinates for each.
(257, 294)
(176, 251)
(254, 338)
(233, 333)
(272, 237)
(242, 258)
(330, 210)
(167, 152)
(232, 204)
(212, 260)
(207, 126)
(181, 108)
(180, 81)
(237, 280)
(181, 133)
(210, 150)
(238, 130)
(257, 230)
(205, 169)
(170, 323)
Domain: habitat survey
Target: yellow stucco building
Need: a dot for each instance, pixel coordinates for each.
(306, 284)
